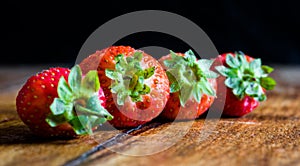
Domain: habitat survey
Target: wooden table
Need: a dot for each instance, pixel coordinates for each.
(268, 136)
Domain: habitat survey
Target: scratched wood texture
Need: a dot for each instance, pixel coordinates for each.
(268, 136)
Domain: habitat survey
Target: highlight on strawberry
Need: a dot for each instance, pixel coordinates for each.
(246, 81)
(135, 85)
(60, 102)
(192, 85)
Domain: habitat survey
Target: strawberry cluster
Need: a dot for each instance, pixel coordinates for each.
(127, 88)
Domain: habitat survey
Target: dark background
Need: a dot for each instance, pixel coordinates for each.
(42, 32)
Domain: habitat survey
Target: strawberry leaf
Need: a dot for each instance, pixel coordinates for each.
(210, 74)
(116, 87)
(232, 61)
(223, 70)
(69, 114)
(99, 121)
(174, 87)
(267, 69)
(232, 82)
(138, 56)
(59, 107)
(81, 125)
(242, 59)
(246, 78)
(205, 65)
(238, 92)
(171, 77)
(190, 58)
(185, 93)
(55, 120)
(94, 104)
(64, 91)
(268, 83)
(197, 93)
(169, 63)
(75, 78)
(174, 61)
(174, 56)
(90, 83)
(111, 74)
(255, 64)
(121, 96)
(262, 97)
(206, 87)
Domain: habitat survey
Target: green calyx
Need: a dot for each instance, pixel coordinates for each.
(129, 78)
(77, 103)
(247, 78)
(189, 76)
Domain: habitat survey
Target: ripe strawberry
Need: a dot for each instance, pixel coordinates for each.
(246, 81)
(134, 83)
(50, 106)
(192, 86)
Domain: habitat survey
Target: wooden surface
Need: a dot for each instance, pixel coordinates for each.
(268, 136)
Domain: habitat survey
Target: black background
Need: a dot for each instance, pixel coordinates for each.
(44, 32)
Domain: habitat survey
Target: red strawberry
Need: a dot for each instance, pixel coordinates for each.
(192, 86)
(245, 80)
(47, 103)
(134, 83)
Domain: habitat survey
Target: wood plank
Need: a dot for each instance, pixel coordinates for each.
(267, 136)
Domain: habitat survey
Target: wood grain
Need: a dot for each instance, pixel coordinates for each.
(268, 136)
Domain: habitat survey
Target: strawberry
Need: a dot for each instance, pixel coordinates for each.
(192, 85)
(246, 82)
(134, 83)
(51, 106)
